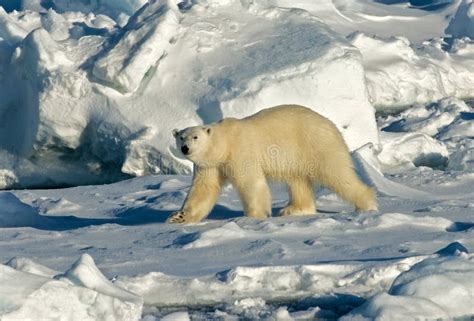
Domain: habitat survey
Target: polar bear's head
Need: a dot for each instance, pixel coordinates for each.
(194, 142)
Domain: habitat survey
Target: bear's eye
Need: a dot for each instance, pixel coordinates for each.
(182, 138)
(195, 137)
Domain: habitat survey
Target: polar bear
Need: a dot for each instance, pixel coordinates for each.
(288, 143)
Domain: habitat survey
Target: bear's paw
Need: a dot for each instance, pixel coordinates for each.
(177, 217)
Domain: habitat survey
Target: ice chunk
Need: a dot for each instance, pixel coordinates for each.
(39, 52)
(7, 178)
(9, 29)
(29, 266)
(85, 273)
(411, 149)
(145, 39)
(56, 25)
(428, 119)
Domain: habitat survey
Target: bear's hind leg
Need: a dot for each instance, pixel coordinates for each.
(350, 188)
(255, 195)
(301, 198)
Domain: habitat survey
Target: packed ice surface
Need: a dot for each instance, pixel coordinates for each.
(90, 91)
(323, 266)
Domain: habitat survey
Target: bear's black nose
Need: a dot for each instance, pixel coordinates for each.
(185, 149)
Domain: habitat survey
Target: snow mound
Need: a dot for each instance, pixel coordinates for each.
(368, 167)
(85, 273)
(14, 213)
(387, 307)
(436, 288)
(82, 293)
(390, 220)
(95, 102)
(400, 74)
(462, 24)
(227, 232)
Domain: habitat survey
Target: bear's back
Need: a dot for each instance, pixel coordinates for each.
(282, 138)
(293, 124)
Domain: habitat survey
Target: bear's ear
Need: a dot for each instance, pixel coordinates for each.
(208, 130)
(175, 132)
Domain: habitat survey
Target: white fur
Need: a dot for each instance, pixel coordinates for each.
(286, 143)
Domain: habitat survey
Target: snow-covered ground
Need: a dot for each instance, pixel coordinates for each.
(89, 94)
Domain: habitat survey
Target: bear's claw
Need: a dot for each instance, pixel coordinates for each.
(177, 217)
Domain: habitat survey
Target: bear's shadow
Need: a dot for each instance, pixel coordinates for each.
(223, 213)
(131, 216)
(220, 212)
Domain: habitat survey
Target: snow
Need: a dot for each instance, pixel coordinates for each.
(82, 293)
(98, 86)
(400, 74)
(91, 90)
(411, 149)
(16, 213)
(448, 122)
(146, 39)
(325, 266)
(102, 100)
(435, 288)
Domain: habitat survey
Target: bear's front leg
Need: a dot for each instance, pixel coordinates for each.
(255, 195)
(204, 192)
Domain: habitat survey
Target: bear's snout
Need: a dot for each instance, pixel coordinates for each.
(185, 149)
